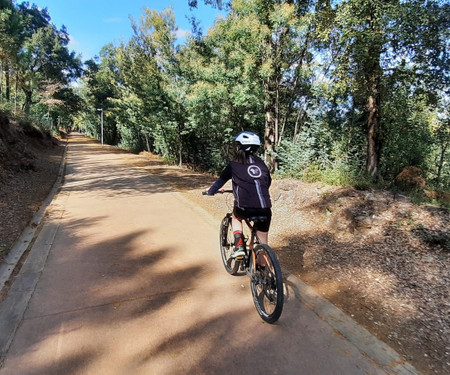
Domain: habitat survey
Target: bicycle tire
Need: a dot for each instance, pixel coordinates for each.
(227, 246)
(267, 284)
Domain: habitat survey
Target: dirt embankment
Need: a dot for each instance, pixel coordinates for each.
(29, 164)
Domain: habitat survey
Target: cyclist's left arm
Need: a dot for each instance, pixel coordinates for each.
(224, 177)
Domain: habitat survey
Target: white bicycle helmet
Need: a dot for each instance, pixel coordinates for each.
(248, 140)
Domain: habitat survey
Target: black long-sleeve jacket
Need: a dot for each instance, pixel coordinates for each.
(251, 183)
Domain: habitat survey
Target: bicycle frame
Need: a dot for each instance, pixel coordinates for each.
(254, 240)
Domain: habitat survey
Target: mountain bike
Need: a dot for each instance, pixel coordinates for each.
(259, 262)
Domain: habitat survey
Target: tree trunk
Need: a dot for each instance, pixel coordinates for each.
(270, 138)
(28, 101)
(15, 92)
(441, 162)
(272, 111)
(373, 73)
(147, 143)
(7, 83)
(180, 146)
(1, 82)
(373, 136)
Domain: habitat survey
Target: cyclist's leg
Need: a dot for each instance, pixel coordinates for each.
(262, 227)
(239, 241)
(236, 223)
(263, 236)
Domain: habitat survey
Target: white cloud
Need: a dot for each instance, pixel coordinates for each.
(182, 33)
(73, 44)
(72, 41)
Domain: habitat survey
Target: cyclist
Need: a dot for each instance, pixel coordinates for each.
(251, 181)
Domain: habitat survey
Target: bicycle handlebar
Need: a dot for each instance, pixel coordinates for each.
(223, 191)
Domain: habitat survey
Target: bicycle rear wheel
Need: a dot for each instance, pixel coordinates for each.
(267, 284)
(227, 245)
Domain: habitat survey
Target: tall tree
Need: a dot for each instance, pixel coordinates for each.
(273, 39)
(379, 38)
(286, 50)
(156, 79)
(45, 58)
(11, 39)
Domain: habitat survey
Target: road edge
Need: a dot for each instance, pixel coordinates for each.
(13, 307)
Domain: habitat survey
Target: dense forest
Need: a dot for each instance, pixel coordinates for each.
(345, 92)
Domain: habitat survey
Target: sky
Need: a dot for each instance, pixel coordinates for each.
(92, 24)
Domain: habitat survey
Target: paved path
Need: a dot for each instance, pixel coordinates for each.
(125, 278)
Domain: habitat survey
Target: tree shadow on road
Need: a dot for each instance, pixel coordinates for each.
(120, 306)
(84, 289)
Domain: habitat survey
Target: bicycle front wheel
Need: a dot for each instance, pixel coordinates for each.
(227, 246)
(267, 284)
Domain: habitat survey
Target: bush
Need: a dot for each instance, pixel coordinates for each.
(326, 161)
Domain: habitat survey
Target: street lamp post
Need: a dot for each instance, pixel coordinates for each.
(101, 122)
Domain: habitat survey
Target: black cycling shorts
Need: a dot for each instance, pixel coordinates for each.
(244, 213)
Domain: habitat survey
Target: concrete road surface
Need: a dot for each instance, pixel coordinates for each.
(125, 277)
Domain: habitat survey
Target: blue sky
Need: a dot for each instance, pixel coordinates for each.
(95, 23)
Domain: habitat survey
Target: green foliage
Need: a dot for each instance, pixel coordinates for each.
(310, 76)
(408, 133)
(302, 160)
(36, 65)
(440, 155)
(384, 47)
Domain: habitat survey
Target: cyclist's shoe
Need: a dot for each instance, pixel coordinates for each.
(238, 253)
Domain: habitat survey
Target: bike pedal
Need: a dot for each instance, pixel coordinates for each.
(240, 257)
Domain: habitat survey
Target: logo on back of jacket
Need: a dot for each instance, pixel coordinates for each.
(254, 171)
